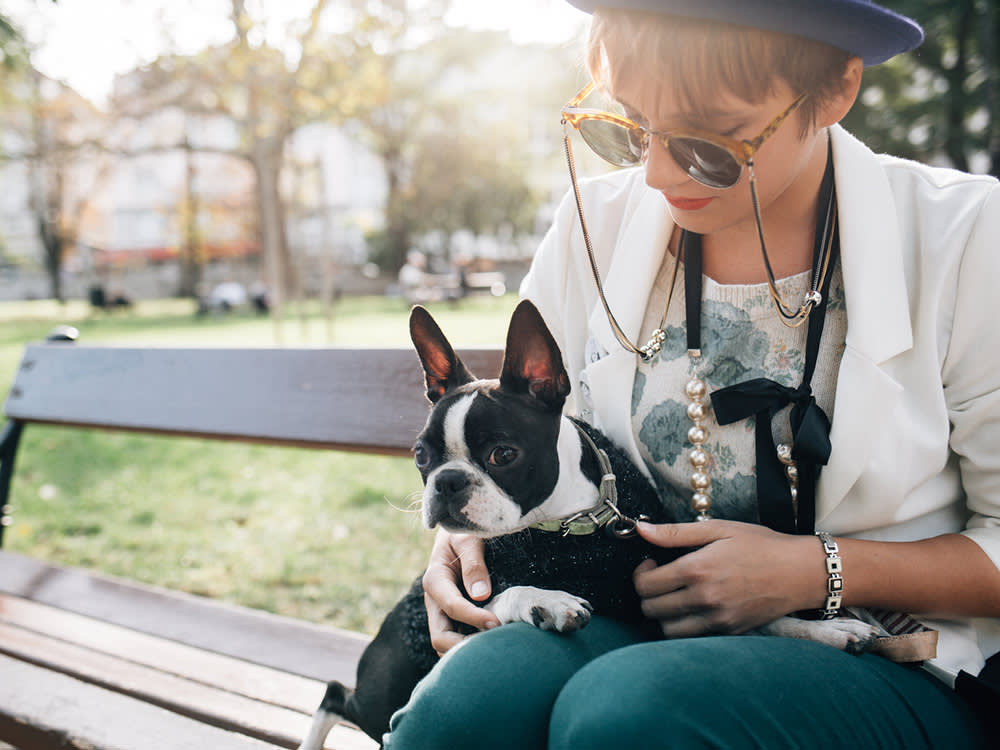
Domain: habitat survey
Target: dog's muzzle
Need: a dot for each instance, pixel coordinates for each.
(448, 493)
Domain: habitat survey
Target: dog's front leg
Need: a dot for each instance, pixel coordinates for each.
(548, 610)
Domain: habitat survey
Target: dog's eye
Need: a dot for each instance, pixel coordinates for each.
(502, 455)
(421, 456)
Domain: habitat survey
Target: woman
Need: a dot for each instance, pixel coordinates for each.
(760, 254)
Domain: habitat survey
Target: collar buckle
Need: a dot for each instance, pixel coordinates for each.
(604, 515)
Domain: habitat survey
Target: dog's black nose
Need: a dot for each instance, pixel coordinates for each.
(451, 482)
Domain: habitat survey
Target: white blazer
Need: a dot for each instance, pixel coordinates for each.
(916, 420)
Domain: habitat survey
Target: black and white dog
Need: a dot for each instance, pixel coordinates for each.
(556, 502)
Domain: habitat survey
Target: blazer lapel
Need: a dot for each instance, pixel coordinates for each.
(878, 315)
(634, 264)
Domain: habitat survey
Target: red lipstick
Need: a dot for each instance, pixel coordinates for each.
(687, 204)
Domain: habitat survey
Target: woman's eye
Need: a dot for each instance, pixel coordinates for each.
(502, 455)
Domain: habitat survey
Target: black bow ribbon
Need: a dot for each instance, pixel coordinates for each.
(763, 399)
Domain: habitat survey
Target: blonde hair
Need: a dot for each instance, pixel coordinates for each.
(705, 56)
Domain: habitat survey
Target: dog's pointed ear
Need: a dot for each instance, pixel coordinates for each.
(443, 370)
(532, 362)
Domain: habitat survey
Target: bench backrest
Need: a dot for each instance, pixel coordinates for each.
(369, 400)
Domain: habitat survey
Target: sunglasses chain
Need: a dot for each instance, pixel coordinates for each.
(795, 318)
(655, 343)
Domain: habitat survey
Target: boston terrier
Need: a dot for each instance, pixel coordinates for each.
(555, 501)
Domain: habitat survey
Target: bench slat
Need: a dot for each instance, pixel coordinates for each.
(253, 681)
(207, 704)
(273, 396)
(42, 709)
(302, 648)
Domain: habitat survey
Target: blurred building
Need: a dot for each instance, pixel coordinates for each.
(166, 188)
(129, 206)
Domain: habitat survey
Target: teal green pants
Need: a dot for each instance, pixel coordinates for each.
(519, 687)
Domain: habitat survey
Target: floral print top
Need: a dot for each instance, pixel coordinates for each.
(741, 338)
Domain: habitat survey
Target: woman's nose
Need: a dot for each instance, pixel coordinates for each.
(662, 171)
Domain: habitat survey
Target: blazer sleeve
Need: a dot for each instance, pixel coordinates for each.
(971, 376)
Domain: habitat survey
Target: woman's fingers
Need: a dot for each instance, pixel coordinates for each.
(456, 560)
(679, 535)
(475, 576)
(732, 577)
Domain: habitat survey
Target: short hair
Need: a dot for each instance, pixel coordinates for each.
(703, 55)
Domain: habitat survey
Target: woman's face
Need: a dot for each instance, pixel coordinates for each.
(784, 165)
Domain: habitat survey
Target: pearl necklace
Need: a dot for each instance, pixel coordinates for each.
(697, 411)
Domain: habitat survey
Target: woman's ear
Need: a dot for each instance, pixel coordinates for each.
(840, 103)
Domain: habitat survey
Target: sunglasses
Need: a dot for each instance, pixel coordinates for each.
(708, 158)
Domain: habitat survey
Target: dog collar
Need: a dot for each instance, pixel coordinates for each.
(604, 515)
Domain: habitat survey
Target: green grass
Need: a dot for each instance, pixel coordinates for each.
(326, 536)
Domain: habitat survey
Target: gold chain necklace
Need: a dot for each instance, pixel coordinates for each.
(696, 389)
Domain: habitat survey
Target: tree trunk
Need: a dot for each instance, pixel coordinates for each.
(990, 42)
(397, 229)
(190, 260)
(955, 122)
(53, 245)
(267, 161)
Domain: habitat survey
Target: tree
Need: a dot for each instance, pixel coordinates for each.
(401, 78)
(57, 130)
(468, 178)
(267, 94)
(52, 131)
(940, 101)
(64, 169)
(12, 51)
(455, 127)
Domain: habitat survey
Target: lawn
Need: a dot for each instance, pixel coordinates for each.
(326, 536)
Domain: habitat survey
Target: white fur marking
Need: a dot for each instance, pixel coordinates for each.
(573, 491)
(322, 723)
(454, 429)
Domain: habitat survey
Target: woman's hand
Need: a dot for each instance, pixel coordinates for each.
(456, 559)
(739, 577)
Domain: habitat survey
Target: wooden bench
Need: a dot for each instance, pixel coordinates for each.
(90, 661)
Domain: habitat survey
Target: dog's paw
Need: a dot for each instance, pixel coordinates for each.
(548, 610)
(844, 633)
(852, 636)
(564, 616)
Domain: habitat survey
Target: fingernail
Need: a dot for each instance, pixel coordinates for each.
(491, 624)
(479, 590)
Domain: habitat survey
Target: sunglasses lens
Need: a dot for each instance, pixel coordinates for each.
(705, 162)
(612, 143)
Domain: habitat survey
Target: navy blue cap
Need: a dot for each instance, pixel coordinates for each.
(860, 27)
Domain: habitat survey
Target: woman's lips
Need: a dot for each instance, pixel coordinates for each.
(687, 204)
